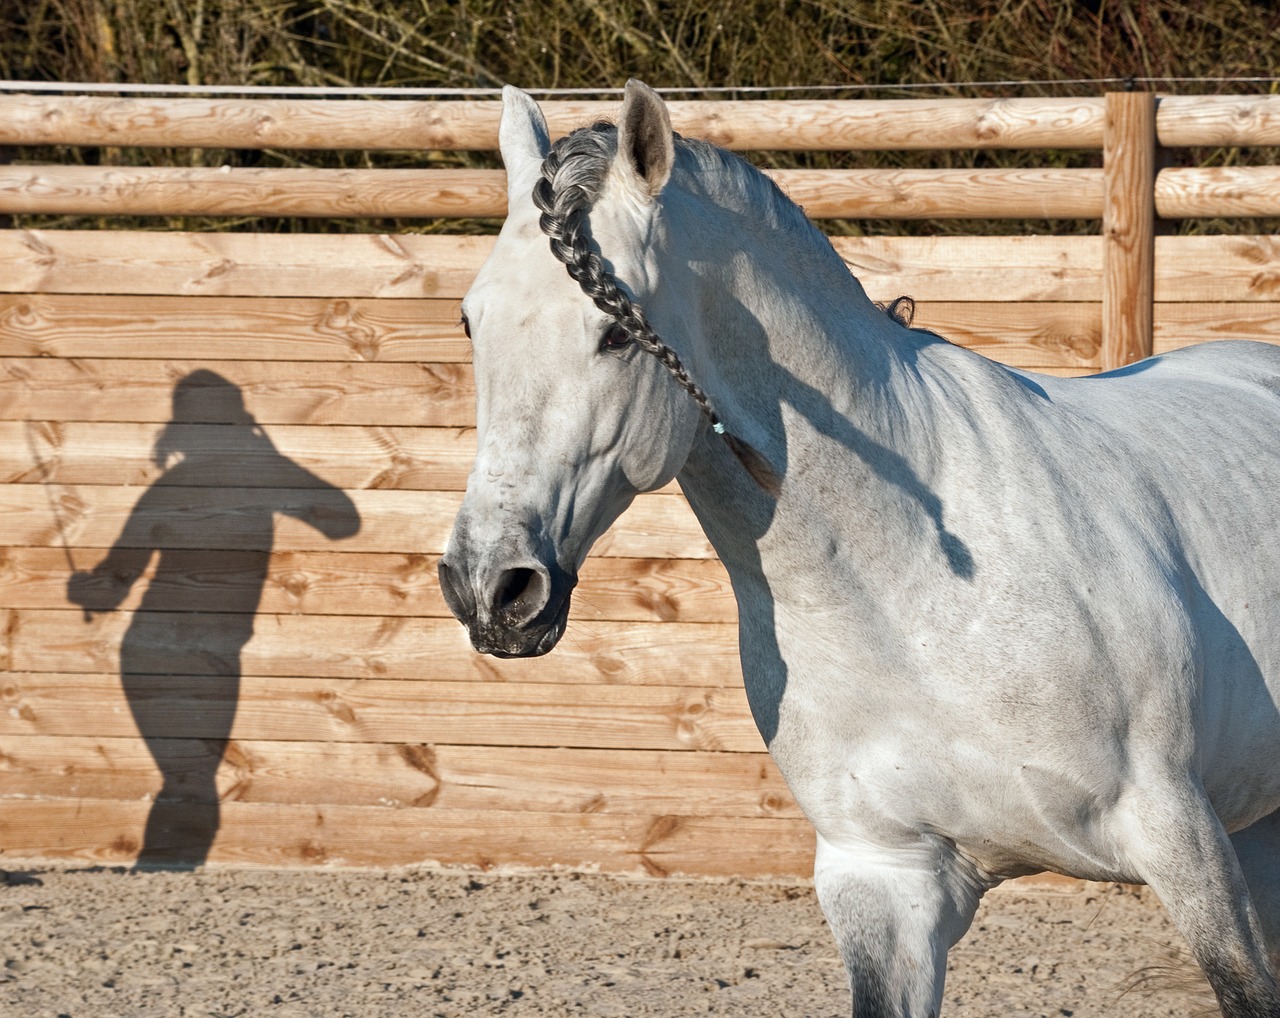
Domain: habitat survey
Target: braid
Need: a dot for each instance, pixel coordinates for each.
(564, 204)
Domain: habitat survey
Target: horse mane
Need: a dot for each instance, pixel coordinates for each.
(573, 175)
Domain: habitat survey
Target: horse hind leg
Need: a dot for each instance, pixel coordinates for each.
(1258, 849)
(1176, 844)
(894, 921)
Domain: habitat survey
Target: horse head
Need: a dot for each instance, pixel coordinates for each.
(576, 410)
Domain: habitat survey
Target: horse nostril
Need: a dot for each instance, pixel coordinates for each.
(521, 593)
(454, 593)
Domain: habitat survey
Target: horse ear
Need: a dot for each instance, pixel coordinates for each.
(645, 142)
(523, 138)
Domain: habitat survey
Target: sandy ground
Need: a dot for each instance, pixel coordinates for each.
(231, 943)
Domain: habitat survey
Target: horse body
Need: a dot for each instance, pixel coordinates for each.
(991, 624)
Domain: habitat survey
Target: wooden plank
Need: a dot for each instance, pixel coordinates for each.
(414, 522)
(1217, 268)
(64, 350)
(1025, 193)
(240, 264)
(512, 779)
(1218, 120)
(1128, 227)
(110, 833)
(232, 328)
(1035, 335)
(789, 125)
(976, 268)
(549, 714)
(1179, 325)
(1208, 192)
(331, 583)
(361, 647)
(252, 191)
(218, 455)
(291, 392)
(1042, 193)
(409, 265)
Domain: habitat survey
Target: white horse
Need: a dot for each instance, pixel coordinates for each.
(990, 623)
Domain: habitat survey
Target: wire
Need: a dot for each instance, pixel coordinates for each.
(334, 92)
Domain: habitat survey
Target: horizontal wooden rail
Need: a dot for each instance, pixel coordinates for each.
(319, 193)
(1048, 193)
(1184, 120)
(1218, 191)
(106, 832)
(518, 779)
(599, 715)
(347, 583)
(409, 194)
(361, 646)
(789, 125)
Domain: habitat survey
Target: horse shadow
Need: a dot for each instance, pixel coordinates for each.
(180, 662)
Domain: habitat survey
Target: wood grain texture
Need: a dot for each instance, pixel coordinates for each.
(240, 264)
(98, 832)
(1034, 193)
(385, 394)
(1183, 120)
(598, 715)
(361, 330)
(407, 522)
(417, 775)
(306, 192)
(1217, 269)
(965, 269)
(1179, 325)
(1037, 335)
(1041, 193)
(339, 583)
(1128, 228)
(1209, 192)
(232, 455)
(389, 362)
(790, 125)
(1020, 268)
(362, 647)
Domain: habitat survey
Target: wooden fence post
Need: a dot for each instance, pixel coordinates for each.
(1128, 227)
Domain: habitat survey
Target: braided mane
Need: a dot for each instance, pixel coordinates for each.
(573, 175)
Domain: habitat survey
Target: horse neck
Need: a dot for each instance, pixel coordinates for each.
(844, 401)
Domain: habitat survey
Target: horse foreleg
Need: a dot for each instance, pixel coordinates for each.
(895, 915)
(1177, 845)
(1258, 849)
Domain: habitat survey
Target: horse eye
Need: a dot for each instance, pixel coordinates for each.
(616, 337)
(466, 325)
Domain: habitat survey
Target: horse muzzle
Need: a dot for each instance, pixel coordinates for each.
(516, 611)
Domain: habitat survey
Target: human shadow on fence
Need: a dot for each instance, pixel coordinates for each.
(210, 516)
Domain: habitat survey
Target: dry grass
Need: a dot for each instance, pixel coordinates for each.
(883, 44)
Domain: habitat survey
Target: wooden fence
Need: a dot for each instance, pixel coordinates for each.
(259, 632)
